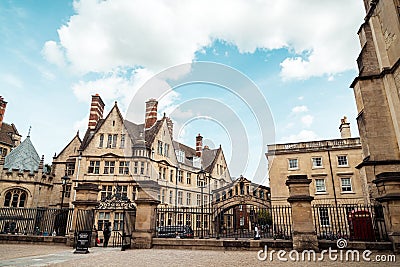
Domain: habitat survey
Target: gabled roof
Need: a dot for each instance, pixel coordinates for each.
(76, 136)
(209, 157)
(89, 135)
(189, 152)
(134, 130)
(150, 134)
(6, 132)
(23, 157)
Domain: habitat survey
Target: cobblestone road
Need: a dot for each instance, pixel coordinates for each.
(40, 255)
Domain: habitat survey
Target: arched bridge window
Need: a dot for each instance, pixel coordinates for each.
(15, 198)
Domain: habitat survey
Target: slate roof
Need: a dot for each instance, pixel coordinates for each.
(134, 130)
(6, 132)
(209, 157)
(23, 157)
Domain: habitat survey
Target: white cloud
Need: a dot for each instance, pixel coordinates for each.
(307, 120)
(299, 109)
(300, 98)
(303, 135)
(113, 86)
(52, 53)
(103, 35)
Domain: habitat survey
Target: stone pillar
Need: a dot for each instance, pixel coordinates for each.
(388, 186)
(86, 200)
(304, 236)
(145, 223)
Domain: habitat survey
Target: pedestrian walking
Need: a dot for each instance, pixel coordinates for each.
(106, 234)
(256, 233)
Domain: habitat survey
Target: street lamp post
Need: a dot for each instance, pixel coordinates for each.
(201, 177)
(65, 180)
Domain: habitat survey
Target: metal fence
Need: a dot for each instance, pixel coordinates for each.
(35, 221)
(353, 222)
(235, 222)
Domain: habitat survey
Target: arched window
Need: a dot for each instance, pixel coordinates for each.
(15, 198)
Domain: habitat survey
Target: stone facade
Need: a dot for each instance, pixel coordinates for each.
(376, 89)
(330, 164)
(377, 94)
(117, 152)
(24, 181)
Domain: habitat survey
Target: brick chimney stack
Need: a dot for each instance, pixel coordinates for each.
(96, 111)
(170, 126)
(199, 145)
(151, 113)
(344, 128)
(3, 105)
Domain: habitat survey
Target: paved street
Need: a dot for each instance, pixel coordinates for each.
(42, 255)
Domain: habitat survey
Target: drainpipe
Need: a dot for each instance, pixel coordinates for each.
(333, 185)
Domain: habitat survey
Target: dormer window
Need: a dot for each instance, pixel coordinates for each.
(180, 155)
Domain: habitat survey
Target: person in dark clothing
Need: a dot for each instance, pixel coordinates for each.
(106, 234)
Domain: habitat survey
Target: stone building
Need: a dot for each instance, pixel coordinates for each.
(23, 180)
(331, 164)
(376, 90)
(377, 94)
(115, 152)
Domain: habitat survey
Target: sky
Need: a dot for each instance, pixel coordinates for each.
(274, 72)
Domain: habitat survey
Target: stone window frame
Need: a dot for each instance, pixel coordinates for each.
(101, 140)
(180, 198)
(122, 145)
(106, 192)
(15, 198)
(315, 160)
(323, 216)
(109, 141)
(160, 147)
(316, 186)
(109, 167)
(348, 185)
(188, 198)
(290, 160)
(166, 150)
(103, 218)
(340, 160)
(180, 176)
(94, 166)
(124, 167)
(118, 221)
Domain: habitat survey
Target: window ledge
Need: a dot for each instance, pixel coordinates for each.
(293, 169)
(318, 167)
(321, 193)
(343, 166)
(347, 192)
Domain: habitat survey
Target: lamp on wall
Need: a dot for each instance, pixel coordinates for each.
(201, 176)
(64, 181)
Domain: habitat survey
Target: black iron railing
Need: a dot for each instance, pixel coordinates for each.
(233, 222)
(353, 222)
(35, 221)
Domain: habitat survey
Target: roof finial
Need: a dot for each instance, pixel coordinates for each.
(29, 132)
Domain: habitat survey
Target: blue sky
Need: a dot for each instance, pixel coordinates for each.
(299, 53)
